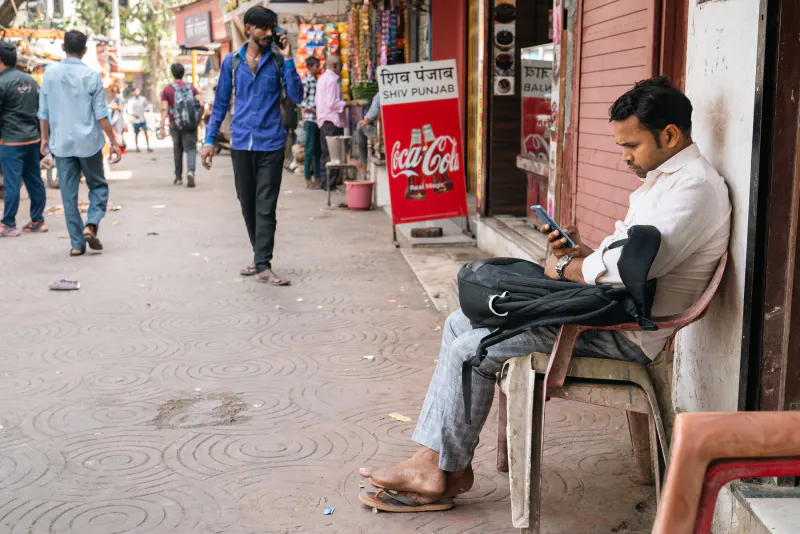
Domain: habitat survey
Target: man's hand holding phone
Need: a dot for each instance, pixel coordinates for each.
(283, 44)
(558, 244)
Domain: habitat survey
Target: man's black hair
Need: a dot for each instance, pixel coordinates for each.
(261, 17)
(8, 54)
(74, 42)
(312, 62)
(177, 71)
(657, 104)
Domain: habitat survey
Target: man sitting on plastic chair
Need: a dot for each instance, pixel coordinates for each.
(681, 195)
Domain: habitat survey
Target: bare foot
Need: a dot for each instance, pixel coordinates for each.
(458, 482)
(419, 474)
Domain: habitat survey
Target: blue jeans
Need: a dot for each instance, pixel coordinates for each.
(21, 164)
(69, 178)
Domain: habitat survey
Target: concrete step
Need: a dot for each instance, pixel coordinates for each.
(437, 270)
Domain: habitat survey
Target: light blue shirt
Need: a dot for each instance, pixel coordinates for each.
(72, 99)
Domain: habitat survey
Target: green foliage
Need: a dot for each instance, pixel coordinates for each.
(149, 23)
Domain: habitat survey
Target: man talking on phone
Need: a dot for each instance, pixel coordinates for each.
(257, 134)
(681, 195)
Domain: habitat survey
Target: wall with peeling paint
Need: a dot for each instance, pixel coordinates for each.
(721, 73)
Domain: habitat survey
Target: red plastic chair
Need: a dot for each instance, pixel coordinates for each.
(624, 385)
(711, 449)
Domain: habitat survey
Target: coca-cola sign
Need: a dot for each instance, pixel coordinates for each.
(442, 156)
(419, 108)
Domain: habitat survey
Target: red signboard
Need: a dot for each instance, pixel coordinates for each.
(422, 132)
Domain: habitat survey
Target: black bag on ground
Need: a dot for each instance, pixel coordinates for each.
(512, 296)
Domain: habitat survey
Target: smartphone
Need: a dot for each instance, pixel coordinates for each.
(543, 218)
(279, 32)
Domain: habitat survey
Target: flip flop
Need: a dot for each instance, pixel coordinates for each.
(273, 280)
(73, 254)
(250, 270)
(391, 501)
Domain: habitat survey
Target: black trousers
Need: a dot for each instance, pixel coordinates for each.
(184, 142)
(258, 185)
(327, 129)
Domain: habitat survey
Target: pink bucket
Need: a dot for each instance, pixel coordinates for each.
(359, 194)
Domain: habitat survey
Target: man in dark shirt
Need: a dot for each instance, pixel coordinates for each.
(19, 143)
(181, 141)
(256, 73)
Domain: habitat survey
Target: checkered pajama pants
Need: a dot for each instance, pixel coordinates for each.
(441, 425)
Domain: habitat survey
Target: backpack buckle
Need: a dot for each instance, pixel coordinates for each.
(491, 304)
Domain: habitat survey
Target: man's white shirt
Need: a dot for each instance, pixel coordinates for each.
(688, 202)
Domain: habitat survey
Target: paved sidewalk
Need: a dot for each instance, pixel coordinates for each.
(169, 395)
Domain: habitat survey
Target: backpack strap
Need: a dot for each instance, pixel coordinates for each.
(236, 60)
(638, 254)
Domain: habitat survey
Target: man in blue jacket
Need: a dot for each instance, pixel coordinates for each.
(257, 74)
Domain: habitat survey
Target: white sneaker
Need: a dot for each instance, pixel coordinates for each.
(189, 179)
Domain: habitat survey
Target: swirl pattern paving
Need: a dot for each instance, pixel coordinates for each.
(171, 395)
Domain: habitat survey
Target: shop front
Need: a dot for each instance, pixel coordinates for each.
(498, 113)
(201, 33)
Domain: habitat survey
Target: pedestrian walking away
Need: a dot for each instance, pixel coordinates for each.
(330, 106)
(256, 75)
(20, 145)
(681, 195)
(73, 115)
(311, 154)
(183, 105)
(138, 106)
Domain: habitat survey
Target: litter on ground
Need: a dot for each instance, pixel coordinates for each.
(65, 285)
(328, 510)
(400, 417)
(368, 358)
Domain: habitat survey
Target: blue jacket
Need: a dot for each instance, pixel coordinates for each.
(256, 122)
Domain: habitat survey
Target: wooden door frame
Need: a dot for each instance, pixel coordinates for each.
(770, 367)
(674, 29)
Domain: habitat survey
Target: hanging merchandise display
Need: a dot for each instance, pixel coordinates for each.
(344, 52)
(504, 64)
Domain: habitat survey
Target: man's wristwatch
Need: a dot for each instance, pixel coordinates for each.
(561, 264)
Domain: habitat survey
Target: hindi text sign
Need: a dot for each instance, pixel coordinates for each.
(422, 133)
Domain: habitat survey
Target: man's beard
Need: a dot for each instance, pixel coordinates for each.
(265, 45)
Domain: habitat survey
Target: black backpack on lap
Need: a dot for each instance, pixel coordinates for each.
(511, 296)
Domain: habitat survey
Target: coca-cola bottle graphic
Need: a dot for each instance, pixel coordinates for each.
(441, 180)
(416, 182)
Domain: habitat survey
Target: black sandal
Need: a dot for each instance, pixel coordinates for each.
(73, 254)
(250, 270)
(178, 181)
